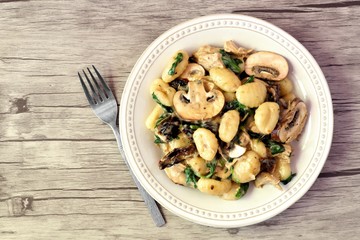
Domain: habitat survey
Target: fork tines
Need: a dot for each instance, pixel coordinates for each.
(100, 92)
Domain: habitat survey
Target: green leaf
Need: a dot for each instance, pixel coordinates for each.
(194, 126)
(275, 147)
(161, 118)
(236, 105)
(231, 63)
(178, 59)
(242, 190)
(286, 181)
(190, 176)
(249, 79)
(166, 108)
(212, 166)
(158, 140)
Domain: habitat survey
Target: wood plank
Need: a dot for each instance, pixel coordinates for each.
(76, 183)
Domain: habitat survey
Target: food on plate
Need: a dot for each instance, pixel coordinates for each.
(225, 118)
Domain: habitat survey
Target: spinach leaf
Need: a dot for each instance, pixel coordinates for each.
(258, 135)
(178, 59)
(211, 165)
(249, 79)
(231, 63)
(242, 190)
(166, 108)
(236, 105)
(161, 118)
(158, 140)
(194, 126)
(189, 128)
(190, 176)
(286, 181)
(275, 147)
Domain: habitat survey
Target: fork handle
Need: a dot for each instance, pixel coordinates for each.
(149, 201)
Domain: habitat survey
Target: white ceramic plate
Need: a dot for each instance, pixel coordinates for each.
(310, 152)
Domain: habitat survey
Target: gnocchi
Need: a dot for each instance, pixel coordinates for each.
(285, 87)
(176, 66)
(225, 79)
(153, 117)
(267, 116)
(246, 167)
(206, 143)
(163, 92)
(214, 187)
(259, 147)
(218, 134)
(229, 125)
(251, 94)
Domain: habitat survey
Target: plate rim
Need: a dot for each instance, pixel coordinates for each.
(221, 19)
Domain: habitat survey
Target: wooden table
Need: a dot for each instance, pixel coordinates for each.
(61, 176)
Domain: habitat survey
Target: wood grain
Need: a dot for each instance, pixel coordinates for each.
(61, 175)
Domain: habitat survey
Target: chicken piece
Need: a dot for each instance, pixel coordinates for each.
(209, 57)
(240, 52)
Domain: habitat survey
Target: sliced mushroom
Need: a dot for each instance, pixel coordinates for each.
(176, 156)
(244, 139)
(268, 165)
(168, 128)
(292, 122)
(209, 57)
(237, 151)
(197, 104)
(267, 65)
(193, 72)
(231, 47)
(267, 178)
(273, 93)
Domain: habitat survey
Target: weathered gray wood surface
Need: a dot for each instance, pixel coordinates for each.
(61, 176)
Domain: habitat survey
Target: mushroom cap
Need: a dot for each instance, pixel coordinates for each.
(292, 122)
(267, 65)
(197, 104)
(193, 72)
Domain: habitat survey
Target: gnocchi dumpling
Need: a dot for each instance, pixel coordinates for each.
(225, 79)
(206, 143)
(232, 193)
(181, 141)
(176, 173)
(229, 125)
(151, 120)
(282, 168)
(289, 97)
(246, 167)
(214, 187)
(229, 96)
(251, 94)
(176, 66)
(285, 87)
(223, 173)
(198, 165)
(163, 92)
(267, 116)
(258, 147)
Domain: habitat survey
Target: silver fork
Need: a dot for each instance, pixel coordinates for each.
(103, 102)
